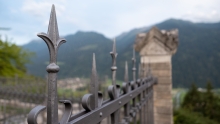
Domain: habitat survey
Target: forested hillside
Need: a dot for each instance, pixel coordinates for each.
(197, 58)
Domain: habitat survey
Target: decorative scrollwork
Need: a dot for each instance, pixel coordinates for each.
(32, 116)
(114, 92)
(67, 112)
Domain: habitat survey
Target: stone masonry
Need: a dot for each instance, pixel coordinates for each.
(156, 49)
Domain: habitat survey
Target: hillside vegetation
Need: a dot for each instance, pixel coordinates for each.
(197, 58)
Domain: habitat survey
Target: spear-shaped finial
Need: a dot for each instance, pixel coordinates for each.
(114, 89)
(139, 71)
(149, 68)
(53, 42)
(53, 28)
(143, 70)
(52, 38)
(126, 72)
(134, 68)
(114, 67)
(94, 99)
(94, 84)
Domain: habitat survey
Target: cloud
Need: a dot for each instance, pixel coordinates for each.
(110, 18)
(210, 16)
(41, 8)
(200, 10)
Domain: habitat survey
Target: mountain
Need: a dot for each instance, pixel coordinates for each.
(74, 56)
(196, 61)
(198, 56)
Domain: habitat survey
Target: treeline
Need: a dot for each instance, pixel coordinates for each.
(199, 107)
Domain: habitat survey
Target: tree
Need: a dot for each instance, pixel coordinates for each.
(192, 99)
(204, 102)
(211, 103)
(13, 59)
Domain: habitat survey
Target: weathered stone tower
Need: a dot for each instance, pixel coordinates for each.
(156, 49)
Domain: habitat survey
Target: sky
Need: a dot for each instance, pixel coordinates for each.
(26, 18)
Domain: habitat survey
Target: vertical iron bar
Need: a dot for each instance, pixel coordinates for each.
(94, 85)
(152, 104)
(53, 42)
(134, 85)
(127, 89)
(147, 97)
(148, 101)
(140, 95)
(115, 115)
(151, 120)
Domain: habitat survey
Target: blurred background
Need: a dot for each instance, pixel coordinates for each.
(89, 27)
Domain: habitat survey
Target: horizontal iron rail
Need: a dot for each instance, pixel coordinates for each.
(97, 115)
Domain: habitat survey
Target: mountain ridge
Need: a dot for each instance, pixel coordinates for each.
(196, 41)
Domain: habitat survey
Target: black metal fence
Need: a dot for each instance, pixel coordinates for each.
(19, 95)
(132, 102)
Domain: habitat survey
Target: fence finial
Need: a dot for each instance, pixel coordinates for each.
(134, 64)
(114, 89)
(126, 78)
(52, 38)
(143, 70)
(134, 84)
(149, 68)
(53, 42)
(94, 83)
(139, 71)
(114, 67)
(95, 99)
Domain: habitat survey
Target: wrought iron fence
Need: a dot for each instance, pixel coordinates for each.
(130, 103)
(19, 95)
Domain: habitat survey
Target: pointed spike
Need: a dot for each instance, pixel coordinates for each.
(113, 69)
(146, 69)
(149, 68)
(126, 72)
(94, 63)
(139, 70)
(53, 42)
(114, 46)
(133, 53)
(94, 75)
(143, 70)
(94, 84)
(134, 64)
(53, 28)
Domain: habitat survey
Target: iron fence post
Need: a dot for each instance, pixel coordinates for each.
(126, 89)
(134, 85)
(53, 42)
(114, 89)
(140, 95)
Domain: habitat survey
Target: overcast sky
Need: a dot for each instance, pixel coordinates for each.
(26, 18)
